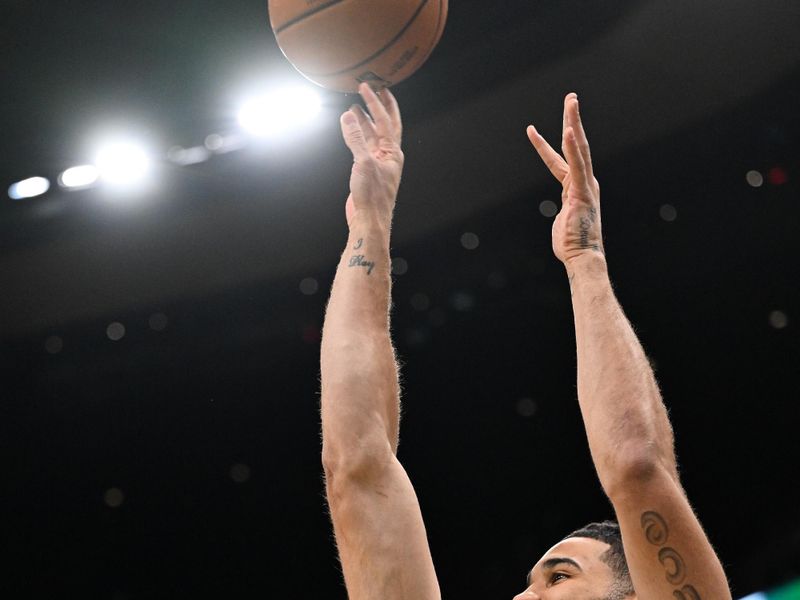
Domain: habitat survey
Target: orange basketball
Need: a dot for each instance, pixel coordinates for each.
(339, 43)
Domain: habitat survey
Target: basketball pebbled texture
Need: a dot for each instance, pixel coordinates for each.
(339, 43)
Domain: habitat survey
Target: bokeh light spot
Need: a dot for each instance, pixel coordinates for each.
(115, 331)
(754, 179)
(778, 319)
(240, 473)
(526, 407)
(113, 497)
(420, 301)
(309, 286)
(54, 344)
(668, 212)
(548, 208)
(470, 240)
(399, 266)
(158, 321)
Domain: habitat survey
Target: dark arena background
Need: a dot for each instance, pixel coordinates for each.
(160, 325)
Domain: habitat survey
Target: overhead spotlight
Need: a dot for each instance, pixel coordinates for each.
(79, 177)
(28, 188)
(122, 163)
(280, 111)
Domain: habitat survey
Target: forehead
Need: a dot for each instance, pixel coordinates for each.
(584, 551)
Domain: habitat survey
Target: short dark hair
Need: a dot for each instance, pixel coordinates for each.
(614, 557)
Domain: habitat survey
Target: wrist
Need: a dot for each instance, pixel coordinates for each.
(587, 265)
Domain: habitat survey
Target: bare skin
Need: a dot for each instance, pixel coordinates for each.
(376, 517)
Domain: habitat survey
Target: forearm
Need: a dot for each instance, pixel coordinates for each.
(360, 390)
(626, 422)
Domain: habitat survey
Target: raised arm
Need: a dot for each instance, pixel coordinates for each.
(376, 516)
(626, 423)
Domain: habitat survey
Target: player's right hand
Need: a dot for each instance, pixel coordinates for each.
(374, 139)
(577, 228)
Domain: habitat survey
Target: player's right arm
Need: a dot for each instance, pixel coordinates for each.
(626, 422)
(376, 517)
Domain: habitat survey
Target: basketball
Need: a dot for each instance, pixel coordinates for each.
(340, 43)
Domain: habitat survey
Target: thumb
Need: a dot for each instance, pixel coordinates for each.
(354, 137)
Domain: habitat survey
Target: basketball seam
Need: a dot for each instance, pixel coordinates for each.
(379, 52)
(299, 18)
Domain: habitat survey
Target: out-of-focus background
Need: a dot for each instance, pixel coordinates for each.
(160, 325)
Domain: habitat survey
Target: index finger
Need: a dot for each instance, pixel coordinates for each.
(383, 124)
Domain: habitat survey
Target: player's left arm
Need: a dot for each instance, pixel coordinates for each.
(626, 422)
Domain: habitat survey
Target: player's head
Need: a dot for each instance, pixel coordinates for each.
(588, 564)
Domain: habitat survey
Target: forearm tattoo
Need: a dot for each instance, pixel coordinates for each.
(656, 532)
(359, 243)
(360, 261)
(586, 224)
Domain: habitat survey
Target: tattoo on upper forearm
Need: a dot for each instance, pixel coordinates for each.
(359, 243)
(586, 223)
(359, 261)
(656, 532)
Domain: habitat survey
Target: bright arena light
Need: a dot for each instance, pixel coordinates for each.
(123, 163)
(79, 177)
(280, 111)
(28, 188)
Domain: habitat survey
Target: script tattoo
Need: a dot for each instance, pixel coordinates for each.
(359, 261)
(585, 225)
(359, 243)
(656, 532)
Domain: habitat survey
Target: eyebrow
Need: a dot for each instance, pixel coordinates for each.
(551, 563)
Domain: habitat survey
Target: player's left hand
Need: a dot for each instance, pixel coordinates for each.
(374, 139)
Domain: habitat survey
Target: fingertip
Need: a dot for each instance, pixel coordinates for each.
(349, 118)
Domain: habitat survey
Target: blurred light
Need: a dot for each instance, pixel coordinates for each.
(399, 266)
(668, 212)
(158, 321)
(757, 595)
(417, 336)
(777, 176)
(526, 407)
(122, 163)
(463, 301)
(497, 280)
(114, 497)
(79, 177)
(188, 156)
(778, 319)
(754, 179)
(53, 344)
(420, 301)
(28, 188)
(548, 208)
(115, 331)
(214, 142)
(309, 286)
(280, 111)
(470, 241)
(240, 473)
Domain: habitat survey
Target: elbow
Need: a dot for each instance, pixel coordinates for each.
(635, 469)
(350, 464)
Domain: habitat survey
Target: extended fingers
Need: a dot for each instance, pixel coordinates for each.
(365, 122)
(551, 158)
(378, 111)
(572, 112)
(354, 137)
(577, 165)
